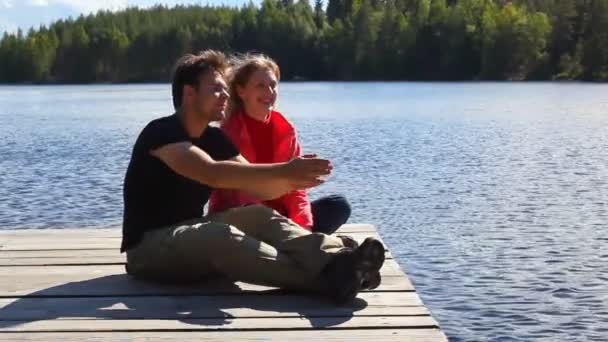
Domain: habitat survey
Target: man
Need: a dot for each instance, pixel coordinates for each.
(176, 162)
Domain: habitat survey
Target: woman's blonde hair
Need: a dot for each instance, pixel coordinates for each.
(241, 69)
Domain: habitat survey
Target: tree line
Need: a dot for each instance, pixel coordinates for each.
(340, 40)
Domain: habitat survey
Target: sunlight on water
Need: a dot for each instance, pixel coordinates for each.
(493, 197)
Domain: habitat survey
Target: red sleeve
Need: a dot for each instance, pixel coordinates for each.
(296, 202)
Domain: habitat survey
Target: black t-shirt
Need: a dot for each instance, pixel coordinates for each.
(154, 195)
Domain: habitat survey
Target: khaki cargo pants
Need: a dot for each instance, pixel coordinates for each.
(254, 244)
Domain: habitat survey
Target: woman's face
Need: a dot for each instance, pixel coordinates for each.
(260, 93)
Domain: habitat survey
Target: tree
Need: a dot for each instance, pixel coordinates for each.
(514, 41)
(109, 46)
(245, 28)
(339, 9)
(351, 39)
(319, 14)
(395, 43)
(365, 31)
(563, 36)
(595, 44)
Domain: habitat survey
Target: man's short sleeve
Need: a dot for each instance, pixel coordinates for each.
(218, 144)
(157, 134)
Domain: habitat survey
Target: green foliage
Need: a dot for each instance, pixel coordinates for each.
(514, 41)
(595, 41)
(331, 40)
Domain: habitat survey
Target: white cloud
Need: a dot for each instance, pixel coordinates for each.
(87, 6)
(7, 26)
(82, 6)
(40, 3)
(33, 13)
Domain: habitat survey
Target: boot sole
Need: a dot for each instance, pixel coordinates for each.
(370, 255)
(371, 258)
(372, 281)
(367, 260)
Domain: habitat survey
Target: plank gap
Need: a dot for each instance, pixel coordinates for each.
(243, 293)
(392, 327)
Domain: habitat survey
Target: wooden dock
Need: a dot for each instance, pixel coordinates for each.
(70, 285)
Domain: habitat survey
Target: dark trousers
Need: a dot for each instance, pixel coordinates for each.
(329, 213)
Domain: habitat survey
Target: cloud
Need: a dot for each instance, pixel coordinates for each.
(7, 26)
(87, 6)
(40, 3)
(32, 13)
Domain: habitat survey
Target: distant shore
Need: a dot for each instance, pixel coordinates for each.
(415, 40)
(312, 81)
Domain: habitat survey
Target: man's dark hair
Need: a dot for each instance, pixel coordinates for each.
(191, 67)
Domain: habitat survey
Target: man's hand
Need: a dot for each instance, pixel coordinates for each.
(306, 171)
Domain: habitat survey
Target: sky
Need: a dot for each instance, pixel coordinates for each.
(24, 14)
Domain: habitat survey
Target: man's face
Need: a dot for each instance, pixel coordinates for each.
(210, 100)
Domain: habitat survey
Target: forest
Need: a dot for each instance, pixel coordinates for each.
(346, 40)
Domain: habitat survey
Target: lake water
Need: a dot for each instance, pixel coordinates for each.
(493, 197)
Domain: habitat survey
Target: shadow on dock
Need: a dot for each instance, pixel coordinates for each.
(211, 303)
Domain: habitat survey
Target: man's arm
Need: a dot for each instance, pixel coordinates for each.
(261, 194)
(262, 180)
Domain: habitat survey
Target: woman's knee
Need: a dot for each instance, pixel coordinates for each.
(342, 206)
(339, 206)
(329, 213)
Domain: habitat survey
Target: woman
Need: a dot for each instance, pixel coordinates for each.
(264, 135)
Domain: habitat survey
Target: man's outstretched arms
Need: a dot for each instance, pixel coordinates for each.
(264, 181)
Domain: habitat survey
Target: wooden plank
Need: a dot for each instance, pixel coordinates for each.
(123, 285)
(68, 258)
(90, 240)
(46, 245)
(43, 246)
(67, 233)
(210, 324)
(233, 306)
(64, 261)
(359, 335)
(112, 280)
(130, 311)
(90, 243)
(93, 299)
(390, 268)
(77, 233)
(63, 254)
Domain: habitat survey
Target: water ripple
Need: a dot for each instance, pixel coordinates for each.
(493, 197)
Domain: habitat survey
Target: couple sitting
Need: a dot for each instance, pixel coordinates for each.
(179, 162)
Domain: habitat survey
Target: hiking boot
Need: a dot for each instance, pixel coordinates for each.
(348, 241)
(371, 260)
(341, 277)
(352, 269)
(372, 282)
